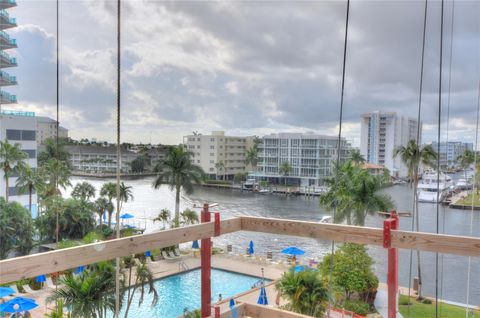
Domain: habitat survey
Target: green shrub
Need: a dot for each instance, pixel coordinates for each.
(92, 237)
(357, 306)
(404, 301)
(105, 230)
(426, 301)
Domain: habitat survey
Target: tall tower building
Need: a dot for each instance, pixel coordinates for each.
(381, 133)
(6, 43)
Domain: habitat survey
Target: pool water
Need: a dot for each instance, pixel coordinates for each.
(177, 292)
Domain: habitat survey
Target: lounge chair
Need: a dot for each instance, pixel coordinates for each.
(177, 252)
(166, 256)
(29, 290)
(172, 255)
(14, 287)
(50, 283)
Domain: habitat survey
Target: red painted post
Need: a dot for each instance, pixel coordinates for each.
(392, 276)
(216, 311)
(206, 253)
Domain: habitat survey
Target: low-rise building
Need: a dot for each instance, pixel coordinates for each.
(210, 152)
(310, 156)
(450, 151)
(18, 127)
(47, 128)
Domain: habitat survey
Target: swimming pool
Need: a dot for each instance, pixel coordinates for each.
(182, 291)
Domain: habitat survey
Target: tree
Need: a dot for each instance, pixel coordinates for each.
(90, 294)
(53, 152)
(284, 170)
(143, 277)
(56, 174)
(413, 156)
(305, 291)
(163, 216)
(16, 229)
(220, 167)
(356, 157)
(178, 172)
(353, 192)
(138, 164)
(29, 180)
(465, 160)
(189, 217)
(240, 176)
(12, 160)
(83, 191)
(251, 157)
(109, 190)
(125, 195)
(352, 272)
(101, 206)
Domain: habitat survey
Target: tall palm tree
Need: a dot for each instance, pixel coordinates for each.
(53, 152)
(83, 191)
(143, 277)
(125, 195)
(12, 160)
(413, 156)
(101, 205)
(251, 157)
(356, 157)
(57, 175)
(189, 217)
(29, 180)
(109, 190)
(465, 160)
(220, 167)
(284, 170)
(163, 216)
(177, 171)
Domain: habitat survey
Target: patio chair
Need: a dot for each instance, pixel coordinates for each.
(50, 283)
(166, 256)
(29, 290)
(172, 255)
(14, 287)
(177, 252)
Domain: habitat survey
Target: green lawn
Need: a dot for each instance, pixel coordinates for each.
(468, 200)
(419, 310)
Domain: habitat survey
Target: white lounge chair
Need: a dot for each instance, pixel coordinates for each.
(166, 256)
(29, 290)
(14, 287)
(172, 255)
(177, 252)
(50, 283)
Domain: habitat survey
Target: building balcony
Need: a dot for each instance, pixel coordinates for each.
(6, 42)
(5, 4)
(7, 98)
(6, 79)
(5, 21)
(6, 60)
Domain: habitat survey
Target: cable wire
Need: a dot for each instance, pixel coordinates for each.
(337, 167)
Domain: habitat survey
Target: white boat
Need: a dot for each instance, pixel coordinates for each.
(326, 219)
(433, 187)
(463, 184)
(250, 184)
(263, 191)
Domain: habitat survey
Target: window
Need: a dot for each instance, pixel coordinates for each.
(14, 134)
(212, 154)
(28, 135)
(212, 161)
(212, 147)
(31, 153)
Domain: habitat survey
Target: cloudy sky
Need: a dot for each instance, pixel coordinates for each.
(244, 67)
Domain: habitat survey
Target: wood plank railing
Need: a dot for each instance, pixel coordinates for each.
(54, 261)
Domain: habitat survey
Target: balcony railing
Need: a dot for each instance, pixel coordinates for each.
(7, 98)
(6, 17)
(17, 113)
(7, 42)
(7, 79)
(8, 61)
(5, 4)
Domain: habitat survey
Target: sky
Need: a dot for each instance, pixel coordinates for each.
(245, 67)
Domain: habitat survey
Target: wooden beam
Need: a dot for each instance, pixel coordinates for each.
(448, 244)
(55, 261)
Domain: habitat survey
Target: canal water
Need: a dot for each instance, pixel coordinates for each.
(453, 270)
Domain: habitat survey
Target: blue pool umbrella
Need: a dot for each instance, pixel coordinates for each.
(79, 269)
(41, 279)
(126, 216)
(232, 302)
(292, 250)
(148, 254)
(250, 248)
(18, 304)
(6, 291)
(300, 268)
(232, 308)
(262, 299)
(195, 244)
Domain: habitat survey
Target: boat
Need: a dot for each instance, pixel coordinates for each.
(263, 191)
(434, 187)
(326, 219)
(463, 184)
(249, 185)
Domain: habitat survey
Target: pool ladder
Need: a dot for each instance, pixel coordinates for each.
(182, 266)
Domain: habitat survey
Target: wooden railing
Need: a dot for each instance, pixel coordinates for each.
(59, 260)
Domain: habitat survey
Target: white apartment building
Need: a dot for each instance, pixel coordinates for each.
(47, 128)
(450, 151)
(381, 133)
(208, 150)
(19, 128)
(311, 157)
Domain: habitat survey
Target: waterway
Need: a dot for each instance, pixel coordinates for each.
(453, 270)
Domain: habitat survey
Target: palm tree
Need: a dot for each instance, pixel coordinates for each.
(251, 157)
(284, 170)
(353, 192)
(179, 173)
(28, 181)
(12, 160)
(413, 156)
(143, 277)
(125, 195)
(57, 175)
(220, 166)
(109, 190)
(101, 205)
(83, 191)
(90, 294)
(466, 159)
(189, 217)
(163, 216)
(53, 152)
(356, 157)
